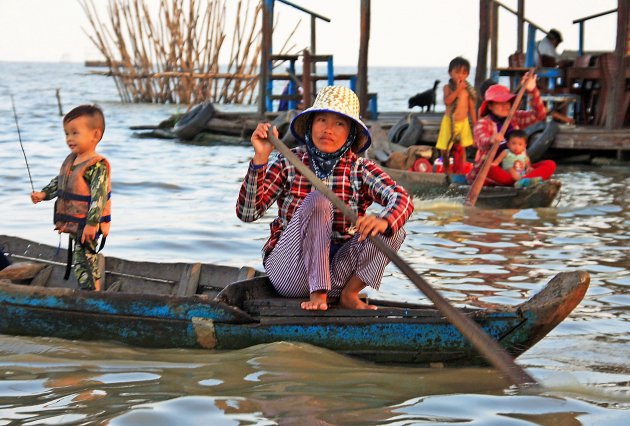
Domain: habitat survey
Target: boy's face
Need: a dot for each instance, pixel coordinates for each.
(459, 74)
(81, 137)
(517, 145)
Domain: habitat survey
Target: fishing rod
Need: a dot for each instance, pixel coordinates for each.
(28, 169)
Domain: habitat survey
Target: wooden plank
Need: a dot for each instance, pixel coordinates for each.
(592, 139)
(189, 280)
(246, 273)
(42, 277)
(101, 270)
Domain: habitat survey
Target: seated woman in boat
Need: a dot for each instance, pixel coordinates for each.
(493, 112)
(313, 251)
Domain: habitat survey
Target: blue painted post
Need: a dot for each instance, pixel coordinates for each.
(331, 71)
(292, 86)
(353, 83)
(269, 6)
(373, 106)
(581, 39)
(531, 46)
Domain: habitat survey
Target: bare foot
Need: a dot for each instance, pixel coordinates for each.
(350, 295)
(317, 302)
(348, 301)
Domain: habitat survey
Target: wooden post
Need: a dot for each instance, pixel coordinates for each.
(617, 90)
(482, 51)
(58, 95)
(265, 55)
(521, 23)
(313, 44)
(362, 67)
(494, 36)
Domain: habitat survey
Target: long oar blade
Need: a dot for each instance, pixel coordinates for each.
(488, 347)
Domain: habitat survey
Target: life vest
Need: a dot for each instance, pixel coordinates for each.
(74, 196)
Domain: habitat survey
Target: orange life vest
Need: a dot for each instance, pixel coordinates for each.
(74, 196)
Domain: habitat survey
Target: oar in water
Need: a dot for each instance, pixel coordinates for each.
(477, 184)
(488, 347)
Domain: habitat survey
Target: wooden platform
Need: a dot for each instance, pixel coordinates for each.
(577, 138)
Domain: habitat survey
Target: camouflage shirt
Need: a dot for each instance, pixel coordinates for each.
(96, 177)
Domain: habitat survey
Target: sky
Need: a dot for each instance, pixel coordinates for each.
(410, 33)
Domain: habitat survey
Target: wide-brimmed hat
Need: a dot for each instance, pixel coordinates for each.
(496, 93)
(340, 100)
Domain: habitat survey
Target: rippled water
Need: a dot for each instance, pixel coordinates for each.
(175, 201)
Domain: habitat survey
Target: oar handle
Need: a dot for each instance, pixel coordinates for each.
(477, 184)
(488, 347)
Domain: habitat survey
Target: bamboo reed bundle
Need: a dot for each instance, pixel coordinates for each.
(173, 56)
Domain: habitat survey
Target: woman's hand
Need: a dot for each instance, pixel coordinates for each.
(498, 138)
(260, 141)
(529, 81)
(370, 226)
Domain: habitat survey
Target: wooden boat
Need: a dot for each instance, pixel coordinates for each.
(436, 185)
(220, 307)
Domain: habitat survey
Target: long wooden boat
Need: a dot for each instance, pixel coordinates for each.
(436, 185)
(220, 307)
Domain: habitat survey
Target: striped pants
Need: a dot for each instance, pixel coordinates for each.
(300, 263)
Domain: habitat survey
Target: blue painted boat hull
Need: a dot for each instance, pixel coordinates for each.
(249, 312)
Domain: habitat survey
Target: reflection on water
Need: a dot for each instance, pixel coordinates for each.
(49, 381)
(175, 202)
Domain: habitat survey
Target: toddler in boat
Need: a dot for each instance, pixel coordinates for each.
(514, 160)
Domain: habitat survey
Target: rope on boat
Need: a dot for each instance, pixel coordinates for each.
(116, 273)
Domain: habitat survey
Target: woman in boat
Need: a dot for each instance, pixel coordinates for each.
(313, 251)
(493, 112)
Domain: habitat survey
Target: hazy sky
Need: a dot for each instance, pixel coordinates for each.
(403, 32)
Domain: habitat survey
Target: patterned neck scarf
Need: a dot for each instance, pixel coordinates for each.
(323, 163)
(499, 122)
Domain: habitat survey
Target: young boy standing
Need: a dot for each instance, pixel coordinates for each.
(455, 130)
(82, 188)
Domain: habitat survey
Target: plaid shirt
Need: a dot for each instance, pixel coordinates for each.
(485, 129)
(357, 181)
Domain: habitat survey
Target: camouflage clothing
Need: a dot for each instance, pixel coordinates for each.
(85, 259)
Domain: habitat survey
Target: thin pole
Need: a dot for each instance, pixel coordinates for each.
(488, 347)
(17, 125)
(59, 102)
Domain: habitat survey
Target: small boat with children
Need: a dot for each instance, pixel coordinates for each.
(196, 305)
(426, 184)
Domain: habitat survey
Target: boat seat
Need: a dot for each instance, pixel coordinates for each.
(189, 280)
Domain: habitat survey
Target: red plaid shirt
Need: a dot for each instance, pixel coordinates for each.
(485, 129)
(356, 180)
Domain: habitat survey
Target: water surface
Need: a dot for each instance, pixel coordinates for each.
(175, 201)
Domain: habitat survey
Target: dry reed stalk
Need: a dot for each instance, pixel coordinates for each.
(173, 56)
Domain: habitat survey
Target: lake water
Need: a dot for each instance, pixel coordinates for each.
(176, 201)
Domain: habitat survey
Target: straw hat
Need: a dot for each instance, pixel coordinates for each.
(337, 99)
(496, 93)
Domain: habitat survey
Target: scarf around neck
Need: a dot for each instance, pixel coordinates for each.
(499, 122)
(323, 163)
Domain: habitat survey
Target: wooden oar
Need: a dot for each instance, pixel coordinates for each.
(475, 188)
(488, 347)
